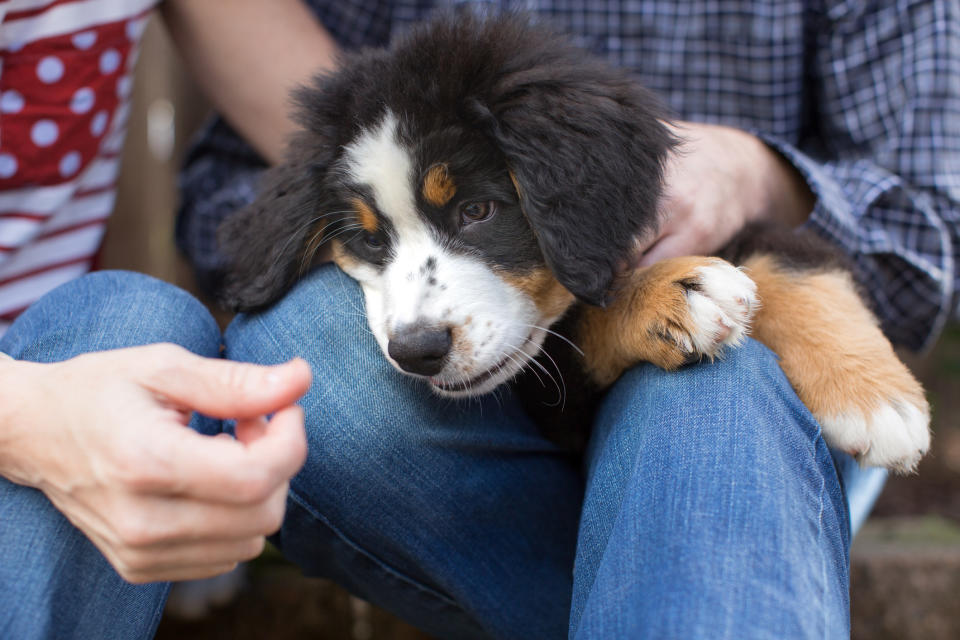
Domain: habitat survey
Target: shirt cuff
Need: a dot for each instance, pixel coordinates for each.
(907, 269)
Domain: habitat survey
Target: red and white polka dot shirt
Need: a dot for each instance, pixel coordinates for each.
(65, 80)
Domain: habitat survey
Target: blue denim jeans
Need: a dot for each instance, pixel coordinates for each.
(707, 505)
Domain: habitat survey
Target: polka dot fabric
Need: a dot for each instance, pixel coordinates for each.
(58, 96)
(65, 81)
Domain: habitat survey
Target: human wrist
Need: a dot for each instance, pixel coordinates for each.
(17, 392)
(787, 198)
(766, 186)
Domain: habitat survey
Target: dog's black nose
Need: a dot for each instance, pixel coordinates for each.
(421, 350)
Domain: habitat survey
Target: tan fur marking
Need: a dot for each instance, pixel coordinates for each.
(540, 285)
(365, 215)
(516, 185)
(829, 343)
(438, 186)
(647, 321)
(340, 257)
(830, 347)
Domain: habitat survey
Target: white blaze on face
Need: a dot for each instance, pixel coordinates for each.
(425, 284)
(379, 161)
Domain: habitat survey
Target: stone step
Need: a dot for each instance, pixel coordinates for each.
(905, 579)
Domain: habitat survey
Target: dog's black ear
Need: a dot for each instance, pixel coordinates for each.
(271, 242)
(586, 146)
(265, 244)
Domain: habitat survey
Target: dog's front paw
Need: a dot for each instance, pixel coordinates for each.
(713, 310)
(888, 432)
(721, 301)
(676, 311)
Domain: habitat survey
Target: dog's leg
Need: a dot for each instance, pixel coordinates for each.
(831, 348)
(839, 362)
(674, 312)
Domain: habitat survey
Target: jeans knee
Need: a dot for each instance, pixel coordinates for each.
(740, 405)
(54, 583)
(360, 411)
(109, 310)
(737, 371)
(354, 398)
(730, 432)
(321, 316)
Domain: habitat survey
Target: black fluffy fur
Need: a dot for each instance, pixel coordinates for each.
(586, 145)
(796, 249)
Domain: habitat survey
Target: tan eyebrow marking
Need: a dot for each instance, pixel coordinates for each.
(365, 215)
(438, 186)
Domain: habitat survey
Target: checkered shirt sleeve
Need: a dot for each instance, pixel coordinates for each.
(885, 163)
(862, 97)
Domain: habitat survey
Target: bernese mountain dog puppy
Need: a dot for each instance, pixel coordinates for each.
(484, 181)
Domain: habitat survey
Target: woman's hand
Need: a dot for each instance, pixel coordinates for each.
(105, 437)
(718, 180)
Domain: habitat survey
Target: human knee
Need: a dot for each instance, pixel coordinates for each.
(742, 377)
(738, 370)
(112, 309)
(727, 436)
(740, 405)
(320, 319)
(137, 293)
(351, 404)
(372, 431)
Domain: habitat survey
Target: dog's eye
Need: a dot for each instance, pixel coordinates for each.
(477, 211)
(373, 241)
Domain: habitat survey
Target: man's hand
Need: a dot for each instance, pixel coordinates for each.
(718, 180)
(104, 436)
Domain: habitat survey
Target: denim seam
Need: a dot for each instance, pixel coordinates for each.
(161, 606)
(823, 557)
(817, 436)
(374, 559)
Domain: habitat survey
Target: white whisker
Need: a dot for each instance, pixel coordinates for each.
(554, 333)
(562, 399)
(360, 311)
(307, 256)
(296, 232)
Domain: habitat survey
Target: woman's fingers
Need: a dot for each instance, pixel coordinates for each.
(221, 388)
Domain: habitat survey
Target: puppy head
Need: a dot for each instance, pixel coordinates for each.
(475, 179)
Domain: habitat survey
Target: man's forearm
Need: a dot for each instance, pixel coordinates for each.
(247, 56)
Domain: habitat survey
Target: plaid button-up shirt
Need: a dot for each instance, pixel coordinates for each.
(862, 97)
